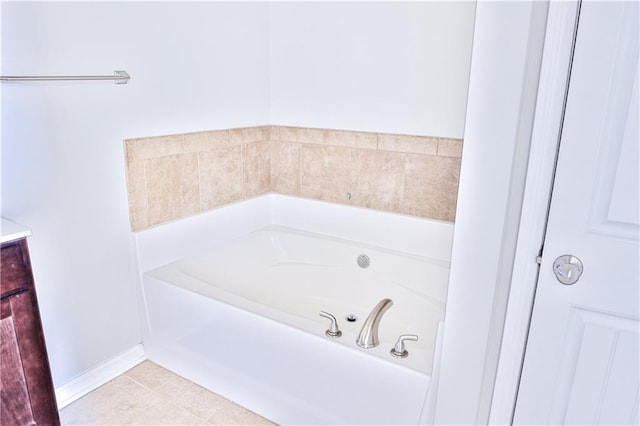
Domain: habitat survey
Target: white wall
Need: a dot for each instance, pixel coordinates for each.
(387, 67)
(398, 67)
(193, 67)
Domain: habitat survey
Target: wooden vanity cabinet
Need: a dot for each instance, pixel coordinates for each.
(26, 388)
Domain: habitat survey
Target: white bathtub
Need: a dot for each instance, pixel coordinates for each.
(232, 301)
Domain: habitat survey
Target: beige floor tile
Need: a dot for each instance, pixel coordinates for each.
(206, 404)
(194, 398)
(151, 395)
(229, 413)
(125, 402)
(153, 409)
(116, 396)
(150, 374)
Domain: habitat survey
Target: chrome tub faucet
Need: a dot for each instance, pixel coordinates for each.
(368, 337)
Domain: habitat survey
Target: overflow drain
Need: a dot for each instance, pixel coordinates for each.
(351, 318)
(364, 261)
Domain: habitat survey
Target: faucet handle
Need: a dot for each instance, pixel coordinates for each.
(333, 330)
(399, 351)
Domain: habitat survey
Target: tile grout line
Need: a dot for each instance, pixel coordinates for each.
(162, 396)
(207, 420)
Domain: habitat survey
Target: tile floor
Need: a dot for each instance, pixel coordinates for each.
(151, 395)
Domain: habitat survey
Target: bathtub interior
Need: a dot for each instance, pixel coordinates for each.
(290, 276)
(305, 252)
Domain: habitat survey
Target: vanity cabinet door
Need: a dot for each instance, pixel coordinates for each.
(26, 389)
(16, 407)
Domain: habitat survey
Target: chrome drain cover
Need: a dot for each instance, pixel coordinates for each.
(364, 261)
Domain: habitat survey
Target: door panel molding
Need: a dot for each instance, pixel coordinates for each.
(612, 214)
(603, 339)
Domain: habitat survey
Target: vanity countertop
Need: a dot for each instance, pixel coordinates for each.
(10, 231)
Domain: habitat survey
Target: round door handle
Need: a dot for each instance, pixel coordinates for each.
(568, 269)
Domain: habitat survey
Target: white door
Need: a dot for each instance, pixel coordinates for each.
(582, 360)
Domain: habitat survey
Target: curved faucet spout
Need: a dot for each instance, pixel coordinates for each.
(368, 337)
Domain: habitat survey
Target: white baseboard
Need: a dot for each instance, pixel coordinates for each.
(98, 376)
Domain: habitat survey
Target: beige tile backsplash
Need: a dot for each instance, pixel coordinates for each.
(171, 177)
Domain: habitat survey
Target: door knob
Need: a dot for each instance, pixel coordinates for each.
(568, 269)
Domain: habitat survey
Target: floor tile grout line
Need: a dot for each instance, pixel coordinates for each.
(165, 398)
(138, 382)
(197, 410)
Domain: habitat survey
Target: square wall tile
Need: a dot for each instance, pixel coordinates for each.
(325, 172)
(377, 179)
(256, 166)
(409, 144)
(431, 186)
(450, 147)
(137, 193)
(244, 135)
(285, 167)
(205, 141)
(172, 187)
(138, 219)
(221, 177)
(363, 140)
(160, 146)
(301, 135)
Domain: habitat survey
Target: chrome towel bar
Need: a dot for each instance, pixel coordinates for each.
(120, 77)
